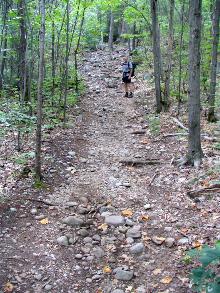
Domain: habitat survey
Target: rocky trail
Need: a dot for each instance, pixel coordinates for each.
(114, 216)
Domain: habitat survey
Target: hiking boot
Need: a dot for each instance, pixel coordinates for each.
(130, 95)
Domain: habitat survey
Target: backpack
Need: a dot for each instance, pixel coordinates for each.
(133, 68)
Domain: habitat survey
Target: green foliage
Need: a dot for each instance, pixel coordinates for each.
(154, 124)
(23, 158)
(206, 276)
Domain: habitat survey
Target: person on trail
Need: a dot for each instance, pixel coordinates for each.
(127, 68)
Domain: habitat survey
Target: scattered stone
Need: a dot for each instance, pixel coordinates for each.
(122, 229)
(13, 210)
(82, 210)
(141, 289)
(78, 256)
(87, 240)
(168, 229)
(73, 221)
(48, 287)
(183, 241)
(40, 217)
(72, 153)
(34, 211)
(137, 248)
(63, 240)
(38, 277)
(129, 222)
(134, 232)
(130, 240)
(169, 242)
(114, 220)
(98, 252)
(71, 204)
(83, 232)
(122, 274)
(96, 237)
(147, 206)
(118, 291)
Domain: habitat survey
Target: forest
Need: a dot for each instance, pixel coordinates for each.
(101, 192)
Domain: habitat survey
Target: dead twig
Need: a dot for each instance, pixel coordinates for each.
(152, 180)
(137, 163)
(195, 193)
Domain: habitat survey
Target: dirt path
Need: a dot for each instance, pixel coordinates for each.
(95, 250)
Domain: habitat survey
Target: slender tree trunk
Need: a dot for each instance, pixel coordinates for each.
(53, 61)
(111, 30)
(169, 57)
(213, 75)
(76, 52)
(194, 140)
(66, 60)
(22, 50)
(156, 53)
(180, 57)
(40, 92)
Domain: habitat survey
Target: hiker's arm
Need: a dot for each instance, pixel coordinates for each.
(130, 67)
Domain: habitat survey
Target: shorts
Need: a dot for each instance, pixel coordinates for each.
(126, 79)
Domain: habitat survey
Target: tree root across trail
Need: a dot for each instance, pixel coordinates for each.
(105, 223)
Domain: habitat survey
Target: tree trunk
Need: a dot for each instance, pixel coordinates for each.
(66, 59)
(194, 140)
(156, 53)
(22, 50)
(111, 31)
(180, 57)
(53, 61)
(213, 75)
(40, 92)
(169, 57)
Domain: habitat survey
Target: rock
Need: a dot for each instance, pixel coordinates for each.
(78, 256)
(98, 252)
(38, 277)
(72, 204)
(134, 232)
(87, 240)
(63, 240)
(129, 240)
(40, 217)
(147, 206)
(96, 237)
(137, 248)
(72, 153)
(114, 220)
(73, 221)
(141, 289)
(183, 241)
(118, 291)
(122, 274)
(168, 229)
(48, 287)
(13, 210)
(129, 222)
(83, 232)
(169, 242)
(34, 211)
(82, 210)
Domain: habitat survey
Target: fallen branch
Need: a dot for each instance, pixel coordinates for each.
(180, 124)
(139, 162)
(40, 201)
(142, 132)
(152, 180)
(203, 135)
(195, 193)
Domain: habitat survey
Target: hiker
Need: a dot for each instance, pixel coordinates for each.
(127, 68)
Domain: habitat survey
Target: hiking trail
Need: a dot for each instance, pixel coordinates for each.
(116, 217)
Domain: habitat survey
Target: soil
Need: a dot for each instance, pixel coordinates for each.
(102, 165)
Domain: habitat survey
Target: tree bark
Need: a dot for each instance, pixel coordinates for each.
(111, 31)
(169, 57)
(156, 53)
(213, 75)
(194, 140)
(40, 92)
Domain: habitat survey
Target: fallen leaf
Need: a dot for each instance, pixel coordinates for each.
(44, 221)
(127, 213)
(197, 244)
(129, 289)
(157, 272)
(107, 270)
(99, 291)
(205, 183)
(184, 230)
(8, 287)
(103, 227)
(158, 240)
(166, 280)
(145, 141)
(144, 218)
